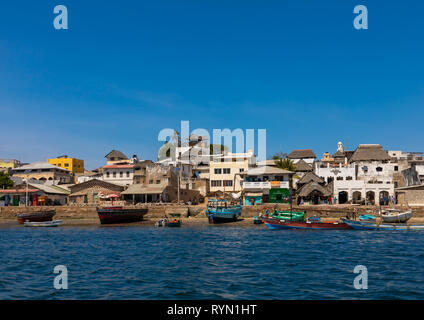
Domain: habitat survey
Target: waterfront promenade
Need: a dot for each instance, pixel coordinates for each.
(87, 215)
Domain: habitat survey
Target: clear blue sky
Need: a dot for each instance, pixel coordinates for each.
(127, 69)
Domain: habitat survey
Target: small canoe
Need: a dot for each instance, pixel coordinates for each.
(257, 220)
(361, 225)
(319, 225)
(54, 223)
(174, 222)
(36, 216)
(366, 217)
(393, 216)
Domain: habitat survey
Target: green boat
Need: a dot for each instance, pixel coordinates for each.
(287, 215)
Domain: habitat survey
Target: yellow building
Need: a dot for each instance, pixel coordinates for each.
(72, 164)
(9, 163)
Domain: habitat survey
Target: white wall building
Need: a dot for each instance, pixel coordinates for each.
(121, 174)
(225, 169)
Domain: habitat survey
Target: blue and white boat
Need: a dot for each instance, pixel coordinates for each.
(219, 210)
(361, 225)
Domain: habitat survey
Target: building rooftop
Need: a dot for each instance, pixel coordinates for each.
(38, 165)
(302, 154)
(116, 154)
(369, 152)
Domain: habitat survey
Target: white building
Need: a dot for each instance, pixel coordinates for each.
(373, 181)
(120, 174)
(225, 169)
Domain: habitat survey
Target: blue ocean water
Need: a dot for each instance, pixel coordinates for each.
(209, 262)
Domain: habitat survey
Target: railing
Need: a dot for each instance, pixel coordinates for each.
(265, 184)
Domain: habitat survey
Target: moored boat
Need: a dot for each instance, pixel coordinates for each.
(54, 223)
(393, 216)
(314, 225)
(257, 220)
(39, 216)
(220, 211)
(112, 215)
(361, 225)
(175, 221)
(288, 215)
(367, 217)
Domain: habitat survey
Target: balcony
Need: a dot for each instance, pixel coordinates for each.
(265, 184)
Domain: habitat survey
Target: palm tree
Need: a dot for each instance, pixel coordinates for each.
(285, 164)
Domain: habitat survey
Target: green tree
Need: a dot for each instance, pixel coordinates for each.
(285, 163)
(5, 181)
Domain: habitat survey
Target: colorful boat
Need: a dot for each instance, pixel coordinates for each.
(361, 225)
(315, 225)
(288, 215)
(54, 223)
(111, 215)
(175, 221)
(366, 217)
(257, 220)
(39, 216)
(218, 210)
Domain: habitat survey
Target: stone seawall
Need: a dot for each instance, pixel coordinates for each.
(158, 211)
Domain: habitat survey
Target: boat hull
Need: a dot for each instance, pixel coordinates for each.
(44, 224)
(401, 217)
(113, 216)
(360, 225)
(283, 224)
(173, 224)
(222, 215)
(36, 216)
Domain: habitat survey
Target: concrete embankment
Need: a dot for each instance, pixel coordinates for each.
(198, 212)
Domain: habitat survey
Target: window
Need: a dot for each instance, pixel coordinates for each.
(157, 181)
(227, 170)
(121, 174)
(66, 164)
(216, 183)
(228, 183)
(217, 171)
(241, 169)
(150, 181)
(114, 174)
(339, 178)
(348, 178)
(396, 168)
(107, 174)
(128, 174)
(379, 169)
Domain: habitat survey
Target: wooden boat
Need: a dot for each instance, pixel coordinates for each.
(39, 216)
(367, 217)
(393, 216)
(54, 223)
(175, 221)
(257, 220)
(361, 225)
(220, 211)
(315, 225)
(112, 215)
(288, 215)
